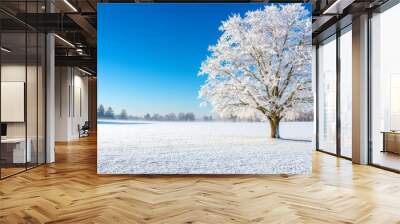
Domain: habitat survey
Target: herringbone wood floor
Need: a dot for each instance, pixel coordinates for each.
(70, 191)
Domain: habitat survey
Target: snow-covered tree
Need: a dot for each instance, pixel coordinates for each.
(123, 115)
(181, 117)
(170, 117)
(109, 113)
(261, 65)
(157, 117)
(190, 116)
(101, 111)
(147, 117)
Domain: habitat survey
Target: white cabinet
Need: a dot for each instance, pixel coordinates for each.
(18, 149)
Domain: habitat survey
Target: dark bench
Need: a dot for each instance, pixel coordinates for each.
(84, 130)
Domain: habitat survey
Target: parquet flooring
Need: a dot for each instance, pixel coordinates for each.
(10, 171)
(70, 191)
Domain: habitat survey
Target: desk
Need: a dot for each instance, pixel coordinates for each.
(15, 148)
(391, 141)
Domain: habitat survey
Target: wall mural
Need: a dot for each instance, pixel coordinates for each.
(204, 89)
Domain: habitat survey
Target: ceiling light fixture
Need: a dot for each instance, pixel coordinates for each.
(337, 7)
(84, 71)
(5, 50)
(79, 51)
(70, 5)
(64, 40)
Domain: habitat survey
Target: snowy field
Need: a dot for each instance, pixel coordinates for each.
(202, 148)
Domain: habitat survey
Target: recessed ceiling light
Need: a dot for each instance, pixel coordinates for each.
(5, 50)
(337, 7)
(64, 40)
(84, 71)
(70, 5)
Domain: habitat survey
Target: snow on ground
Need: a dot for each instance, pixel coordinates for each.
(202, 148)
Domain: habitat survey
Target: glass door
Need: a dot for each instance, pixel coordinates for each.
(346, 92)
(22, 98)
(14, 153)
(385, 89)
(327, 95)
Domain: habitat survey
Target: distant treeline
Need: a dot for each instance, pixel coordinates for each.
(123, 115)
(301, 116)
(109, 113)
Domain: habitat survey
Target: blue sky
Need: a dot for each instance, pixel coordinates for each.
(149, 54)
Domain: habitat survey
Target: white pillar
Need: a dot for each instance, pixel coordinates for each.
(360, 90)
(50, 99)
(64, 100)
(314, 90)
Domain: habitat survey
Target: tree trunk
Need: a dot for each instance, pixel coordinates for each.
(274, 125)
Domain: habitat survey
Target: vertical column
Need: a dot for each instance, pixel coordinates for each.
(92, 103)
(50, 98)
(50, 92)
(317, 100)
(62, 103)
(338, 97)
(360, 89)
(314, 89)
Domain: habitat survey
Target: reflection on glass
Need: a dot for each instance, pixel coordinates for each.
(14, 153)
(394, 102)
(346, 94)
(41, 99)
(386, 89)
(327, 96)
(31, 100)
(22, 91)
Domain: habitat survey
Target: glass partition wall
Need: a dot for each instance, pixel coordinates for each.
(385, 89)
(334, 85)
(327, 95)
(14, 156)
(345, 61)
(334, 105)
(22, 98)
